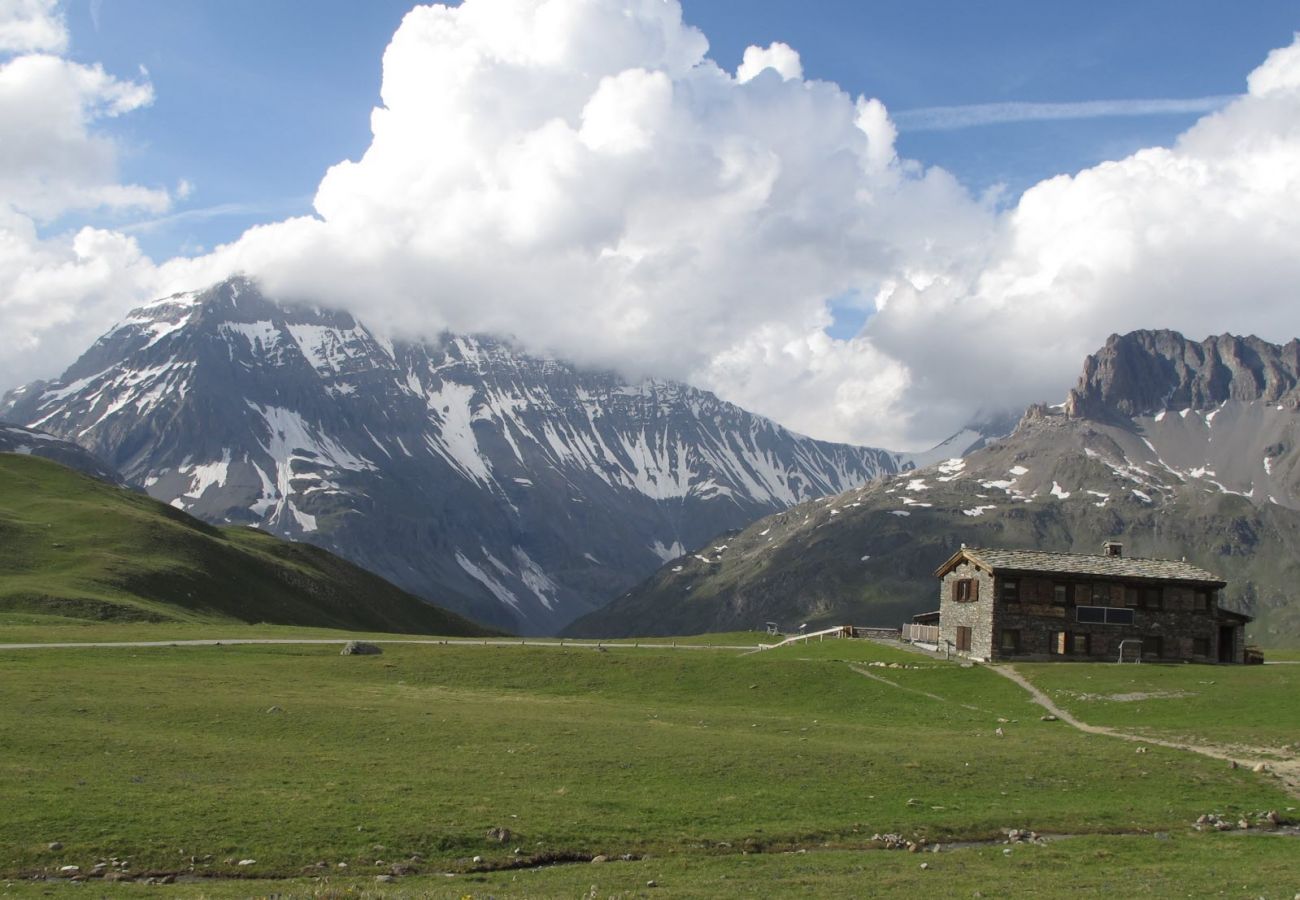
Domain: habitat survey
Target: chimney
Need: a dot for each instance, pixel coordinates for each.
(1112, 548)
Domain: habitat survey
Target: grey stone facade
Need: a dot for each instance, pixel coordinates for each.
(1052, 606)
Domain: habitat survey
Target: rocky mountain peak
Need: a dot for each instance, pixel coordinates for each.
(517, 489)
(1145, 372)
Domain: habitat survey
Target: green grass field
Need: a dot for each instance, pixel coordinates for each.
(1251, 705)
(718, 767)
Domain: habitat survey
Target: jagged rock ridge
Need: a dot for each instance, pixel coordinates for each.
(1144, 372)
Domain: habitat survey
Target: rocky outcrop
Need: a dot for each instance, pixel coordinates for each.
(1144, 372)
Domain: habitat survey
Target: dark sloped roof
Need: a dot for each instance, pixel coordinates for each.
(1088, 564)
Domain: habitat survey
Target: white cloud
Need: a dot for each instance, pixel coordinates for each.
(59, 292)
(777, 56)
(50, 160)
(31, 26)
(578, 174)
(948, 118)
(1199, 237)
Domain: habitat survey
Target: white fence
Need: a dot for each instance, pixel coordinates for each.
(928, 634)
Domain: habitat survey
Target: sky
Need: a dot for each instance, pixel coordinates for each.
(872, 222)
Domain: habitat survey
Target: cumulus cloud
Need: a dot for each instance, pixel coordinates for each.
(29, 26)
(586, 179)
(1199, 237)
(579, 174)
(779, 57)
(59, 291)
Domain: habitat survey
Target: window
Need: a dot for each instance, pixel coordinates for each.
(963, 637)
(1060, 594)
(1151, 597)
(1201, 646)
(1010, 640)
(1104, 615)
(1011, 591)
(1065, 643)
(1131, 595)
(1201, 600)
(965, 590)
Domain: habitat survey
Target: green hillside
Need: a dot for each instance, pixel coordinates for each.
(80, 549)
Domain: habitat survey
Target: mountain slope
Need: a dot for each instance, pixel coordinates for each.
(79, 548)
(31, 442)
(1218, 485)
(514, 489)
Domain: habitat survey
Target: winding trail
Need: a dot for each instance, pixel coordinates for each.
(1287, 770)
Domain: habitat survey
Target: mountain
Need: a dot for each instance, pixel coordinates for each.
(31, 442)
(78, 548)
(515, 489)
(1177, 448)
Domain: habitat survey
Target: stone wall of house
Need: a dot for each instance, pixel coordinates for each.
(1037, 619)
(977, 615)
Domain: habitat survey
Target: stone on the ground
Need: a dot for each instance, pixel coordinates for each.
(360, 648)
(1047, 718)
(385, 879)
(246, 862)
(600, 859)
(55, 845)
(500, 835)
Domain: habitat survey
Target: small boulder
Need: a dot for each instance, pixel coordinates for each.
(499, 835)
(55, 845)
(600, 859)
(1047, 718)
(360, 648)
(246, 862)
(385, 879)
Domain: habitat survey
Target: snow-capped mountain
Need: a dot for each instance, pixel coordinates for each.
(1177, 448)
(515, 489)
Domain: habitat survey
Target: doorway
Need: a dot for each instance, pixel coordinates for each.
(1227, 643)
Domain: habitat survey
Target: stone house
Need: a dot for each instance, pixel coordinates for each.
(1035, 605)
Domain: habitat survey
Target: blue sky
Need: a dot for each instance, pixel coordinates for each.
(569, 174)
(255, 100)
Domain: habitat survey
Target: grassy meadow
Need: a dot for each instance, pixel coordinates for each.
(714, 768)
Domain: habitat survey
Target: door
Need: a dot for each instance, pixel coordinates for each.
(963, 638)
(1227, 643)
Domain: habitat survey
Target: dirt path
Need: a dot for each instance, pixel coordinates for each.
(1287, 770)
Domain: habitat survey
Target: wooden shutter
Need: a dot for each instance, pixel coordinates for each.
(974, 589)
